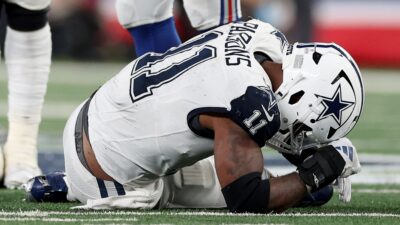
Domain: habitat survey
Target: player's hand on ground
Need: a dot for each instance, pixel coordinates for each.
(350, 156)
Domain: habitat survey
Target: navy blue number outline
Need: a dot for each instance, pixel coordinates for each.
(143, 81)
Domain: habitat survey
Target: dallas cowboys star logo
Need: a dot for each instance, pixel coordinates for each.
(334, 106)
(281, 37)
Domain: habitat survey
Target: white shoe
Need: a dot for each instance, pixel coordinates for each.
(18, 175)
(20, 163)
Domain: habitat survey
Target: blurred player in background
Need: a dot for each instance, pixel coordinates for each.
(142, 140)
(28, 57)
(152, 26)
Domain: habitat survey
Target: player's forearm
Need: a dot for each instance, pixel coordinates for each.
(235, 153)
(285, 191)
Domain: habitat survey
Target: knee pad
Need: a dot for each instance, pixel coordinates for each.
(22, 19)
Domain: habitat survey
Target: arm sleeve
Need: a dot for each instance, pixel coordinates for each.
(248, 194)
(257, 113)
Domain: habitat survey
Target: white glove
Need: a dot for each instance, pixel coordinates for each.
(350, 156)
(344, 187)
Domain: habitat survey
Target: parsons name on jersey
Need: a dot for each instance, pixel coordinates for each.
(239, 36)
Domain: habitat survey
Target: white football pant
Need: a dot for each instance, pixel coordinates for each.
(196, 186)
(203, 14)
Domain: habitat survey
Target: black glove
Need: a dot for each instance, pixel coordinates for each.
(321, 168)
(298, 159)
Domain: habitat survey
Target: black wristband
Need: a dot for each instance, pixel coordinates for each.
(322, 168)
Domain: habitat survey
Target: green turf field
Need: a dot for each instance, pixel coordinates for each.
(371, 205)
(71, 82)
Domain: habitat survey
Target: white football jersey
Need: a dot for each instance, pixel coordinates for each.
(147, 115)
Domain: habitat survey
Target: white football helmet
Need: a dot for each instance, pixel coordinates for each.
(321, 97)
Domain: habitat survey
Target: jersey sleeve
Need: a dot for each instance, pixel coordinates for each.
(257, 113)
(269, 41)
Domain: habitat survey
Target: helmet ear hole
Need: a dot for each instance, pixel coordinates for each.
(296, 97)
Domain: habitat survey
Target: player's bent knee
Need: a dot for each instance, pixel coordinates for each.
(199, 174)
(248, 194)
(22, 19)
(196, 186)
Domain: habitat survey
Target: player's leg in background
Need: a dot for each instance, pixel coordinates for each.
(150, 24)
(28, 59)
(207, 14)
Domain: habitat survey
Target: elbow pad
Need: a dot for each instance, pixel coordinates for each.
(247, 194)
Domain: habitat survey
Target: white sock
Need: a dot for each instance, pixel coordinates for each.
(28, 59)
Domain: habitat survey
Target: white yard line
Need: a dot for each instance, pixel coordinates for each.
(339, 215)
(376, 169)
(380, 158)
(77, 73)
(253, 224)
(381, 81)
(370, 174)
(51, 110)
(41, 214)
(375, 191)
(112, 219)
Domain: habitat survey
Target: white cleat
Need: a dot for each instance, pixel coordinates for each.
(17, 176)
(20, 151)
